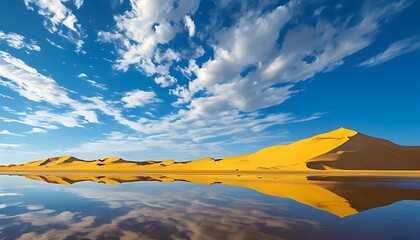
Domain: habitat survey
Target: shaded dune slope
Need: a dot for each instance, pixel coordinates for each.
(362, 152)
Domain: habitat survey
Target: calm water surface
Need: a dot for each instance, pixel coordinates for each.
(237, 207)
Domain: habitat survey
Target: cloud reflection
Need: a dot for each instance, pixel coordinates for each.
(167, 207)
(179, 211)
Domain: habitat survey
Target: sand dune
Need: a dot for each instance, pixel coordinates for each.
(338, 150)
(363, 152)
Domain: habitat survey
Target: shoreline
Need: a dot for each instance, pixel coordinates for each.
(361, 173)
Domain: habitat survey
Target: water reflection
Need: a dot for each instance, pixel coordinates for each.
(339, 195)
(167, 207)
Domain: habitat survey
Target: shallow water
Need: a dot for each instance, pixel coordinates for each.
(208, 207)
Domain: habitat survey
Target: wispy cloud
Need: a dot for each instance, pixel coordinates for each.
(18, 41)
(184, 140)
(47, 119)
(10, 145)
(394, 50)
(97, 85)
(5, 96)
(91, 82)
(6, 132)
(29, 83)
(37, 130)
(55, 44)
(59, 19)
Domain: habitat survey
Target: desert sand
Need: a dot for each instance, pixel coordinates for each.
(341, 150)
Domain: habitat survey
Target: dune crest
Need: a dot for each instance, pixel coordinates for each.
(341, 149)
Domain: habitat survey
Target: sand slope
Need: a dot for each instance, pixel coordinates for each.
(341, 149)
(363, 152)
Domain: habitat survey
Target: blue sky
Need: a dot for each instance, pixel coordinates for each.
(187, 79)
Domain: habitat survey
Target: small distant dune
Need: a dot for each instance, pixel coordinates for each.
(342, 150)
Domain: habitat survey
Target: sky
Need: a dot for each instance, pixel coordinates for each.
(184, 79)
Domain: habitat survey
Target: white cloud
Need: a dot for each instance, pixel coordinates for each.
(37, 130)
(87, 113)
(17, 41)
(139, 98)
(192, 136)
(247, 78)
(82, 75)
(394, 50)
(152, 147)
(47, 119)
(318, 11)
(165, 81)
(59, 19)
(189, 23)
(7, 145)
(4, 194)
(93, 83)
(5, 96)
(250, 69)
(97, 85)
(78, 3)
(34, 207)
(54, 44)
(220, 77)
(141, 30)
(55, 12)
(191, 69)
(29, 83)
(6, 132)
(209, 114)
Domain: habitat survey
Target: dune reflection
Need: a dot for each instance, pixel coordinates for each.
(176, 211)
(341, 196)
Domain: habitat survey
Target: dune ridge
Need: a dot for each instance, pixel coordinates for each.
(339, 150)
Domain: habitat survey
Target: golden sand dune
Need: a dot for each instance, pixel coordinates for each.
(341, 196)
(341, 149)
